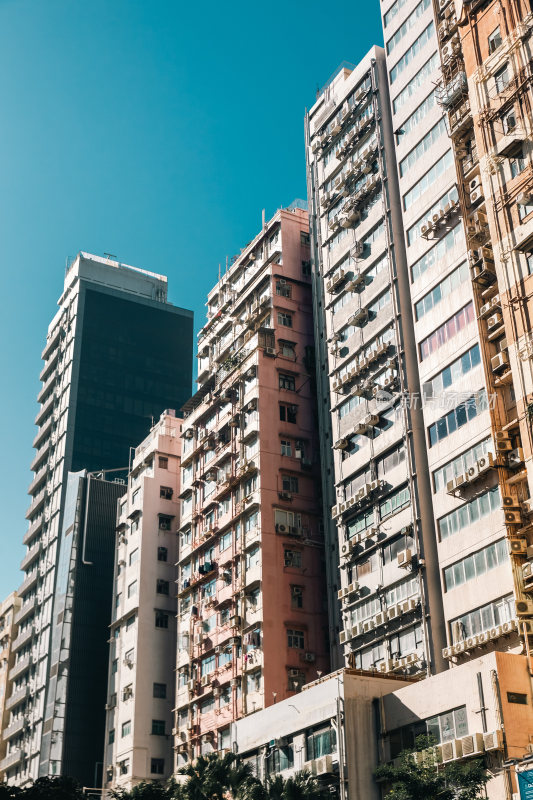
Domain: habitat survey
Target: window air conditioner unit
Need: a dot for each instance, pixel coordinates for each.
(494, 321)
(524, 608)
(493, 740)
(405, 558)
(502, 441)
(473, 744)
(517, 547)
(451, 750)
(499, 361)
(512, 517)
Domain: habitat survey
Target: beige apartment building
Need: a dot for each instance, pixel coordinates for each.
(140, 703)
(9, 613)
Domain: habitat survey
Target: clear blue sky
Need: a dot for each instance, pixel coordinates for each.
(156, 130)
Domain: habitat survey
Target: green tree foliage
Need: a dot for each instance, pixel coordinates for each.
(418, 775)
(210, 777)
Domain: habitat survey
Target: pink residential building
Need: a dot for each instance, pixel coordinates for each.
(252, 618)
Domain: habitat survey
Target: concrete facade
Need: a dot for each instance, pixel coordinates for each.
(252, 619)
(142, 655)
(383, 525)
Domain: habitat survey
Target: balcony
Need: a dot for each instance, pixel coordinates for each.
(21, 665)
(28, 582)
(40, 455)
(43, 432)
(30, 556)
(13, 729)
(52, 342)
(23, 638)
(13, 758)
(17, 697)
(33, 530)
(49, 366)
(37, 504)
(45, 409)
(38, 480)
(45, 388)
(27, 609)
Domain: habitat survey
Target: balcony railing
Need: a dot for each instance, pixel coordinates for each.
(30, 556)
(17, 697)
(28, 582)
(13, 729)
(34, 528)
(21, 665)
(23, 637)
(13, 758)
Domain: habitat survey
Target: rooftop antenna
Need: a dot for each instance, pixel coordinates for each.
(263, 217)
(227, 263)
(110, 256)
(219, 271)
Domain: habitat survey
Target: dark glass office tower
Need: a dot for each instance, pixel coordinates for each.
(117, 354)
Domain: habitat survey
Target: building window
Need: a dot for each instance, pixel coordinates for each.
(448, 726)
(114, 666)
(279, 759)
(286, 447)
(518, 164)
(163, 462)
(132, 589)
(111, 736)
(166, 492)
(529, 259)
(394, 502)
(467, 514)
(501, 78)
(476, 564)
(292, 558)
(304, 237)
(446, 331)
(162, 553)
(162, 587)
(130, 622)
(295, 639)
(161, 619)
(482, 619)
(297, 596)
(134, 556)
(458, 417)
(157, 766)
(126, 728)
(306, 268)
(289, 484)
(287, 382)
(509, 121)
(158, 727)
(320, 743)
(118, 598)
(164, 523)
(124, 766)
(495, 40)
(460, 464)
(253, 681)
(406, 642)
(287, 349)
(456, 370)
(288, 413)
(208, 665)
(283, 289)
(442, 290)
(284, 318)
(135, 496)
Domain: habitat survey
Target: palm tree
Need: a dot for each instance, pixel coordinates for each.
(214, 777)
